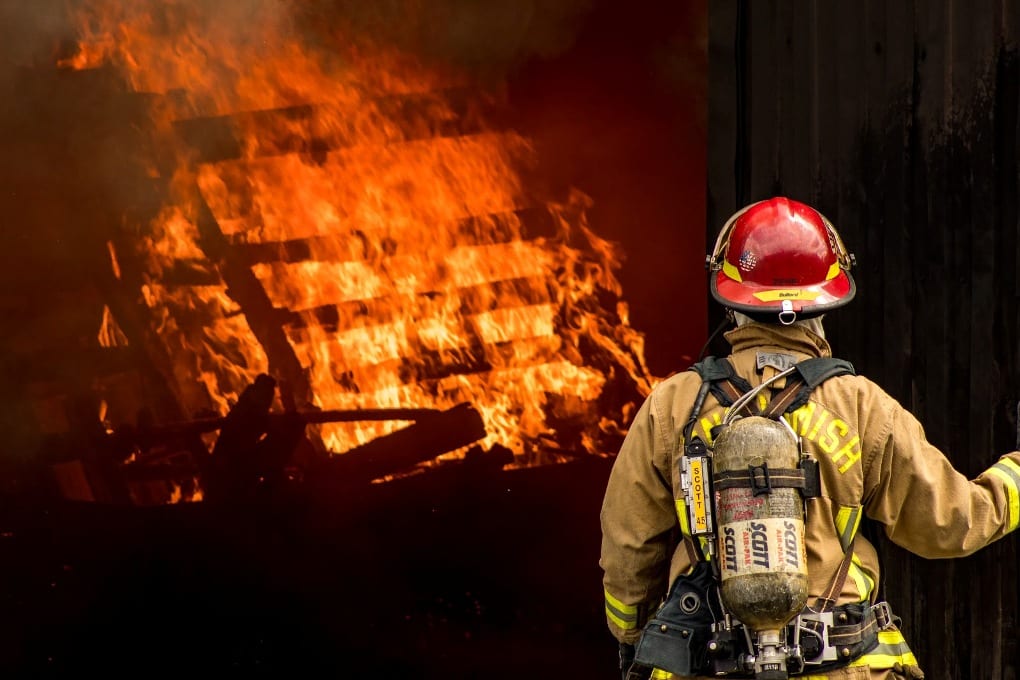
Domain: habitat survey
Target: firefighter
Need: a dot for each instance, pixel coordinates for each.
(777, 267)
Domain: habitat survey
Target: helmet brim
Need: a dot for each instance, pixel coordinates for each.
(806, 301)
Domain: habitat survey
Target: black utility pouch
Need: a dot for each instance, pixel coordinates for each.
(675, 638)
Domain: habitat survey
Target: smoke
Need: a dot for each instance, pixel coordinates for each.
(30, 32)
(488, 38)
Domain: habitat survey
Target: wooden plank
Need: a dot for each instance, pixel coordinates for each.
(310, 284)
(890, 119)
(931, 224)
(992, 383)
(846, 113)
(933, 642)
(976, 230)
(526, 223)
(890, 113)
(426, 439)
(726, 83)
(246, 290)
(762, 103)
(316, 129)
(796, 99)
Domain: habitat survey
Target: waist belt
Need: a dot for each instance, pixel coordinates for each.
(836, 637)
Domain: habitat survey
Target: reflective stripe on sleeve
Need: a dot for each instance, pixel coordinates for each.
(847, 520)
(623, 615)
(685, 526)
(862, 579)
(892, 649)
(1008, 473)
(681, 515)
(659, 674)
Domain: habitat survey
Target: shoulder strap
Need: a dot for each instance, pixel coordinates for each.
(724, 383)
(810, 374)
(719, 378)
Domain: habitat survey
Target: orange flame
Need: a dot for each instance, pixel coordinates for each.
(359, 197)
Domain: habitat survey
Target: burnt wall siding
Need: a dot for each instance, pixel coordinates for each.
(898, 121)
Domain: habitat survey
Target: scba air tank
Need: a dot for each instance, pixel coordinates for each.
(762, 558)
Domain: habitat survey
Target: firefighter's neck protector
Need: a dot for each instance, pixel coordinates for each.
(780, 260)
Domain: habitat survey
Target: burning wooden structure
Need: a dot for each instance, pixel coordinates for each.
(327, 215)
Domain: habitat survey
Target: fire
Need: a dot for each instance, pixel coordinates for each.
(343, 211)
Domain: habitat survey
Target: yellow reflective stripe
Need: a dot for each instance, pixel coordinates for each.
(731, 271)
(1011, 480)
(708, 423)
(865, 584)
(623, 615)
(681, 515)
(891, 650)
(833, 271)
(685, 525)
(847, 520)
(659, 674)
(1008, 464)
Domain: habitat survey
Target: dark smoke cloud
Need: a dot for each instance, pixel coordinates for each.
(31, 32)
(490, 37)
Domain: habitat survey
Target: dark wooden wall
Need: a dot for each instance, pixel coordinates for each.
(899, 122)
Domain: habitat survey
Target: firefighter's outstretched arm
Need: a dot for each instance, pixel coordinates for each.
(927, 506)
(639, 526)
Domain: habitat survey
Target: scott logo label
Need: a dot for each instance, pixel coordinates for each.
(791, 549)
(730, 549)
(759, 545)
(768, 544)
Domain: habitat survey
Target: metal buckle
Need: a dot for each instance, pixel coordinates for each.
(883, 615)
(828, 652)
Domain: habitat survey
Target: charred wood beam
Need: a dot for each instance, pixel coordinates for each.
(399, 451)
(253, 449)
(316, 129)
(436, 432)
(173, 431)
(244, 288)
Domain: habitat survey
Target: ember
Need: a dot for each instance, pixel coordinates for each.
(354, 221)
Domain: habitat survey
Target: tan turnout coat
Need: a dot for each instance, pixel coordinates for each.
(874, 461)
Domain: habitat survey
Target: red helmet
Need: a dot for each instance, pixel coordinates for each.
(780, 260)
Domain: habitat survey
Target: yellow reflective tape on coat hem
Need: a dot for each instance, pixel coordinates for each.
(1010, 478)
(623, 615)
(892, 649)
